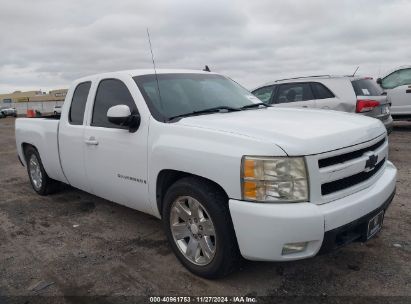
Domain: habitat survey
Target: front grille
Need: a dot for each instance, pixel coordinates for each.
(350, 181)
(348, 156)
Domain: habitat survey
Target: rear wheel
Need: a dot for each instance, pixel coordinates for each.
(199, 228)
(39, 179)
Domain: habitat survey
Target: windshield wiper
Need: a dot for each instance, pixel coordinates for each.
(221, 109)
(255, 105)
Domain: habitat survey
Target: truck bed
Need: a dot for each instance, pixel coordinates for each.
(42, 133)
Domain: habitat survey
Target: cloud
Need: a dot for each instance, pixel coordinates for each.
(48, 43)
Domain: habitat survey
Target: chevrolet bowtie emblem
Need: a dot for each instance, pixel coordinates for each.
(371, 162)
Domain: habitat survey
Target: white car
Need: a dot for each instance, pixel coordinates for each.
(57, 110)
(8, 111)
(228, 176)
(397, 85)
(352, 94)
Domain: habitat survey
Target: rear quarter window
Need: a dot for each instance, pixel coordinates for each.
(321, 91)
(366, 87)
(78, 103)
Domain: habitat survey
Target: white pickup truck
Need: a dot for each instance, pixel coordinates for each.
(228, 175)
(397, 85)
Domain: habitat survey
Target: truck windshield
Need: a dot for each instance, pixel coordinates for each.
(185, 93)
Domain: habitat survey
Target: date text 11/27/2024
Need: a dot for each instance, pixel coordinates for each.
(203, 299)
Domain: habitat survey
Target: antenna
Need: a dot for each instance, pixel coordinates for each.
(355, 71)
(154, 66)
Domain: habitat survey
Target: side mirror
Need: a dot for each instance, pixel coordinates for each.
(379, 81)
(122, 116)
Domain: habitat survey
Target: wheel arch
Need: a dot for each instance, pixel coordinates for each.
(167, 177)
(24, 147)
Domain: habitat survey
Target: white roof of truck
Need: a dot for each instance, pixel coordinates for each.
(138, 72)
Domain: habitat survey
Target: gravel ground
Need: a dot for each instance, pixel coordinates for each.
(73, 243)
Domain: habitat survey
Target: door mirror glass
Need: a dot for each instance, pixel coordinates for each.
(122, 116)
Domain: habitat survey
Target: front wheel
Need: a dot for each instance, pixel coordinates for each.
(39, 179)
(199, 228)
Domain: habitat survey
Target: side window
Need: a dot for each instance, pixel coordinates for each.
(264, 94)
(110, 92)
(321, 91)
(398, 78)
(78, 103)
(293, 92)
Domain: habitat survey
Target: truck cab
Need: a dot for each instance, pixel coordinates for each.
(229, 176)
(397, 85)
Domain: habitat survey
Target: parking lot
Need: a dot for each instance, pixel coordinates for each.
(73, 243)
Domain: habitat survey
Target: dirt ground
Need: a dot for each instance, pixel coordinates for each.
(73, 243)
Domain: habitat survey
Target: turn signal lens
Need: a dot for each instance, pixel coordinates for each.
(249, 168)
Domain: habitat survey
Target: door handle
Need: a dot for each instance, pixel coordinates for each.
(91, 141)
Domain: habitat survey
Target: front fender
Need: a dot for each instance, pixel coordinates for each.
(211, 154)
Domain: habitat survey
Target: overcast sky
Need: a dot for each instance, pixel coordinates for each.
(46, 44)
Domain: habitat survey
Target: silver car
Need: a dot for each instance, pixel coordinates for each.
(341, 93)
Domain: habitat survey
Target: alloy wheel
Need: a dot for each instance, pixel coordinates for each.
(193, 230)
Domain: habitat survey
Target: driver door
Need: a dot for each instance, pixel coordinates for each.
(116, 160)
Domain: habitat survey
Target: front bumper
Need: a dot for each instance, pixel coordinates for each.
(263, 229)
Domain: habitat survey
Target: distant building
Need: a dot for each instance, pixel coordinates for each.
(19, 96)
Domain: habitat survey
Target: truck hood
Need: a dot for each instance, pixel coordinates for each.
(296, 131)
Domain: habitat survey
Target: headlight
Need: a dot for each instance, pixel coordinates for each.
(274, 179)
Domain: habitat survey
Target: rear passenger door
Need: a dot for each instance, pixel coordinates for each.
(71, 136)
(294, 95)
(324, 98)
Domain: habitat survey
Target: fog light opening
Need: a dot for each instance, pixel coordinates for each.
(294, 248)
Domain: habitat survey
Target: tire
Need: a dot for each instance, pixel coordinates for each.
(39, 179)
(221, 255)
